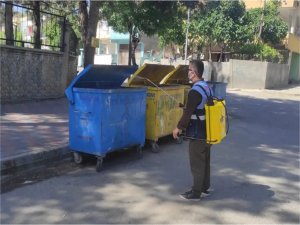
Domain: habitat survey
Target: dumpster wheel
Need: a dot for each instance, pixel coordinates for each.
(99, 164)
(77, 157)
(154, 147)
(139, 152)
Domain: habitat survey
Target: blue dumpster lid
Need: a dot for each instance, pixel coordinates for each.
(100, 77)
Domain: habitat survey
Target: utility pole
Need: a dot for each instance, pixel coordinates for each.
(186, 36)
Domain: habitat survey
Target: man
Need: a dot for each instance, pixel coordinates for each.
(193, 121)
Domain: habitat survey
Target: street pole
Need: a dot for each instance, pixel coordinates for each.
(186, 36)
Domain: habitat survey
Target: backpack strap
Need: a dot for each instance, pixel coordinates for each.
(210, 94)
(210, 100)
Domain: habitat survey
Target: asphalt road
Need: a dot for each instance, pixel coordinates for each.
(255, 177)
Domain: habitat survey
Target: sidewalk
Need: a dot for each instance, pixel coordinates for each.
(291, 92)
(37, 132)
(33, 132)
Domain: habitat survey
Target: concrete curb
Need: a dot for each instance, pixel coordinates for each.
(25, 161)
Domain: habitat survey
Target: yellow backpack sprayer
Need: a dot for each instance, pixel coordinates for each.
(216, 123)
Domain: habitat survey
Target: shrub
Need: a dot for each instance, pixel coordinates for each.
(261, 51)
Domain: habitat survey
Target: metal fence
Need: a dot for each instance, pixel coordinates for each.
(52, 27)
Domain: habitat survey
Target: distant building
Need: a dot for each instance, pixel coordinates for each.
(113, 46)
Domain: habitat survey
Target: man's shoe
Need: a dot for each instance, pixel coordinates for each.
(210, 190)
(205, 194)
(187, 192)
(191, 195)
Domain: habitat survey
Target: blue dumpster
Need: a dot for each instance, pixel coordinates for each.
(103, 116)
(219, 89)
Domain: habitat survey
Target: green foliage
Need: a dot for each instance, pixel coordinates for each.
(261, 51)
(18, 37)
(175, 31)
(220, 24)
(270, 54)
(52, 31)
(227, 24)
(63, 8)
(250, 49)
(232, 9)
(2, 34)
(119, 14)
(274, 28)
(150, 17)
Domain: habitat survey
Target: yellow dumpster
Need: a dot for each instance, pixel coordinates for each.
(179, 76)
(163, 111)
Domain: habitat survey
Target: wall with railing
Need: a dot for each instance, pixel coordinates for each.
(20, 24)
(33, 74)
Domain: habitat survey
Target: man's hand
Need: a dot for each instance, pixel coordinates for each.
(181, 105)
(176, 132)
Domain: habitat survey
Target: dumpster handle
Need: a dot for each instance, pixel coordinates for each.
(69, 91)
(70, 95)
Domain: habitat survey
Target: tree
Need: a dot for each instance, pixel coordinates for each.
(174, 34)
(201, 27)
(52, 31)
(219, 23)
(53, 28)
(148, 17)
(274, 29)
(84, 17)
(228, 28)
(88, 24)
(70, 9)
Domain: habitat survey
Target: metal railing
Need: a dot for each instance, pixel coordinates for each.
(52, 27)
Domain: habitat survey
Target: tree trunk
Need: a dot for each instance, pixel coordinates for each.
(36, 24)
(83, 20)
(261, 23)
(199, 51)
(94, 16)
(134, 46)
(130, 30)
(9, 29)
(209, 52)
(135, 41)
(221, 54)
(88, 24)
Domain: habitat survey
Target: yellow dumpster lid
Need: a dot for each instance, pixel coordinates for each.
(153, 72)
(178, 76)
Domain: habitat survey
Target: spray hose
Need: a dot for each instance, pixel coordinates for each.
(171, 97)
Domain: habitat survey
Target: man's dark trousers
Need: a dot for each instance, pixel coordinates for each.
(199, 153)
